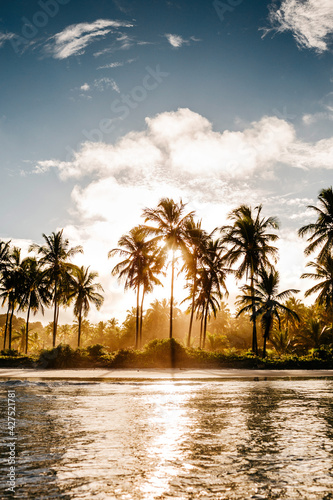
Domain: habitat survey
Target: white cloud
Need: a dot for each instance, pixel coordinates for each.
(116, 64)
(75, 38)
(179, 155)
(102, 84)
(85, 87)
(122, 42)
(177, 41)
(310, 22)
(182, 146)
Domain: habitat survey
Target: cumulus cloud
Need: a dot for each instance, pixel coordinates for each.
(182, 147)
(310, 22)
(180, 155)
(74, 39)
(178, 41)
(85, 87)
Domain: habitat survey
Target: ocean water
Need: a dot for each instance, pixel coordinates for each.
(232, 439)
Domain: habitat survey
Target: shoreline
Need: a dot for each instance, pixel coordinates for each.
(123, 374)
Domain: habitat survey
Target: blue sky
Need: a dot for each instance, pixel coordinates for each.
(108, 106)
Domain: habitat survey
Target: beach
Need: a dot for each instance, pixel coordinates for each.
(160, 374)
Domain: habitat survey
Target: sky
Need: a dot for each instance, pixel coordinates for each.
(108, 106)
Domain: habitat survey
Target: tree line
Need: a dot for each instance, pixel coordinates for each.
(244, 248)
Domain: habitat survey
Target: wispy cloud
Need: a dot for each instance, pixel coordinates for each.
(310, 22)
(178, 41)
(102, 84)
(4, 37)
(75, 38)
(117, 64)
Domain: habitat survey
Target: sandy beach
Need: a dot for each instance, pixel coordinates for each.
(160, 374)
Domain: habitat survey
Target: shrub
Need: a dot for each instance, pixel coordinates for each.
(10, 352)
(96, 351)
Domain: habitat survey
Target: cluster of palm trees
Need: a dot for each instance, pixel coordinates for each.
(46, 279)
(171, 235)
(244, 248)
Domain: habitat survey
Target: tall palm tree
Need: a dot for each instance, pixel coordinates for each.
(266, 296)
(138, 267)
(11, 289)
(55, 255)
(84, 291)
(196, 244)
(35, 291)
(324, 274)
(170, 220)
(249, 241)
(321, 231)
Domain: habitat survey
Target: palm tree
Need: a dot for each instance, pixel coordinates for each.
(196, 244)
(137, 268)
(11, 288)
(35, 291)
(83, 291)
(170, 220)
(266, 296)
(324, 274)
(321, 231)
(154, 262)
(212, 280)
(4, 254)
(55, 255)
(249, 242)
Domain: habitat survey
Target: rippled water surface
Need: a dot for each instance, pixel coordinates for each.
(164, 440)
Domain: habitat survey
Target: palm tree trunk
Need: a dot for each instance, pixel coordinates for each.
(171, 298)
(254, 321)
(137, 317)
(79, 327)
(55, 319)
(141, 319)
(6, 326)
(201, 329)
(10, 327)
(27, 328)
(192, 311)
(266, 336)
(205, 326)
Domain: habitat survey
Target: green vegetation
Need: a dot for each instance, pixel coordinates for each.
(270, 328)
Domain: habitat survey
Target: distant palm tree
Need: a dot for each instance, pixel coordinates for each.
(195, 248)
(141, 262)
(321, 231)
(266, 296)
(324, 274)
(55, 255)
(154, 264)
(35, 291)
(170, 219)
(212, 280)
(281, 340)
(83, 291)
(249, 241)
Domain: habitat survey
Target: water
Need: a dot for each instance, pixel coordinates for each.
(172, 440)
